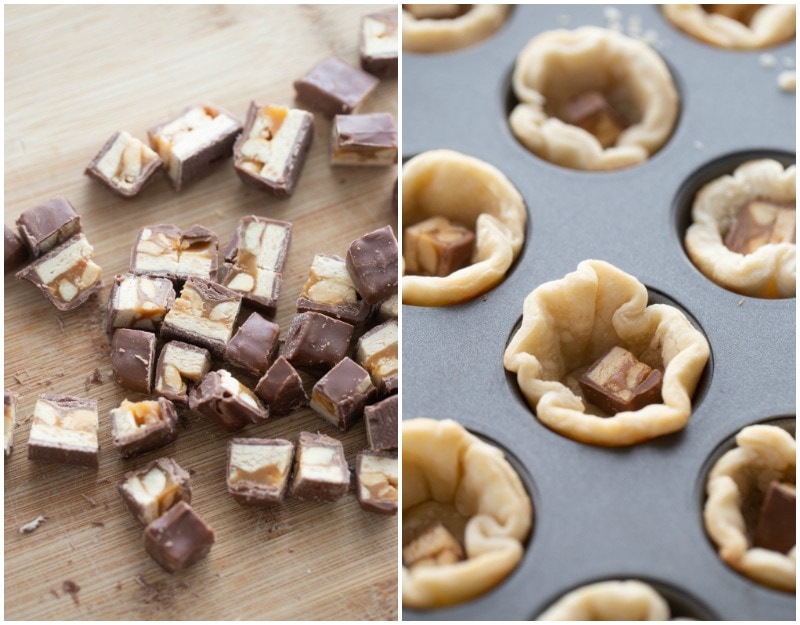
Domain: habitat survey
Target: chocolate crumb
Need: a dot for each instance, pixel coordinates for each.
(91, 500)
(54, 592)
(72, 589)
(119, 585)
(98, 524)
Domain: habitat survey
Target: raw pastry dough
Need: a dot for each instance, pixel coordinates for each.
(763, 453)
(561, 64)
(628, 600)
(476, 195)
(567, 324)
(443, 464)
(770, 25)
(445, 35)
(771, 270)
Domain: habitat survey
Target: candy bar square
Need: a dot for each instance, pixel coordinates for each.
(166, 251)
(16, 252)
(142, 426)
(258, 470)
(330, 290)
(281, 388)
(759, 223)
(320, 469)
(254, 261)
(619, 382)
(254, 346)
(204, 315)
(191, 143)
(45, 227)
(435, 546)
(777, 519)
(334, 87)
(381, 424)
(378, 43)
(369, 139)
(152, 490)
(372, 263)
(139, 302)
(316, 342)
(133, 354)
(64, 430)
(377, 480)
(271, 151)
(377, 353)
(66, 275)
(9, 420)
(223, 398)
(341, 394)
(124, 164)
(592, 112)
(437, 247)
(180, 366)
(388, 309)
(178, 538)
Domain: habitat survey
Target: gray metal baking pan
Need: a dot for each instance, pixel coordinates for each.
(604, 513)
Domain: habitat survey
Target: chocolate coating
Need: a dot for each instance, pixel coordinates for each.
(133, 354)
(179, 477)
(16, 253)
(281, 388)
(212, 398)
(332, 87)
(148, 436)
(178, 538)
(341, 394)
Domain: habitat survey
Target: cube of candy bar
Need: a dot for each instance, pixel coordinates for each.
(330, 290)
(381, 423)
(166, 251)
(66, 275)
(437, 247)
(377, 353)
(47, 226)
(139, 302)
(180, 366)
(191, 143)
(316, 342)
(333, 87)
(341, 394)
(137, 427)
(152, 490)
(619, 382)
(378, 43)
(124, 164)
(592, 112)
(759, 223)
(178, 538)
(281, 388)
(368, 139)
(133, 354)
(320, 469)
(64, 430)
(258, 470)
(377, 478)
(372, 264)
(254, 346)
(222, 397)
(777, 519)
(436, 545)
(271, 151)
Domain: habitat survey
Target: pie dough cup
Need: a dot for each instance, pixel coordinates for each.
(476, 195)
(568, 324)
(561, 64)
(628, 600)
(446, 35)
(771, 270)
(763, 453)
(771, 24)
(444, 463)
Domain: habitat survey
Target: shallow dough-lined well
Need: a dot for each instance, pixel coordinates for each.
(476, 195)
(569, 323)
(771, 270)
(764, 453)
(445, 35)
(561, 64)
(444, 466)
(770, 25)
(629, 600)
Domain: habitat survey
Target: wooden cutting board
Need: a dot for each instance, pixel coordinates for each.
(74, 75)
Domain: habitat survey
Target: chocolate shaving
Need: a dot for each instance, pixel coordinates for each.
(72, 589)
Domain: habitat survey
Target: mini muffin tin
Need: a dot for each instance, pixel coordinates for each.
(607, 513)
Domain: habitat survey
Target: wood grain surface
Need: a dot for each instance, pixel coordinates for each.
(73, 76)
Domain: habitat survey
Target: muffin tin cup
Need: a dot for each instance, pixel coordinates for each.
(604, 513)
